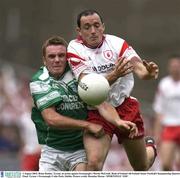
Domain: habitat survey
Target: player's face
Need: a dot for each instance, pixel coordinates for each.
(174, 67)
(55, 60)
(91, 30)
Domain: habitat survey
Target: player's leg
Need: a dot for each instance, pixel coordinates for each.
(169, 142)
(167, 153)
(177, 159)
(140, 154)
(96, 150)
(141, 157)
(81, 167)
(151, 150)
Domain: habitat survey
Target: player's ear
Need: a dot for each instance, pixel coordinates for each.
(78, 30)
(44, 61)
(103, 26)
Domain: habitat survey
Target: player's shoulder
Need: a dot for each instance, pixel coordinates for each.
(114, 41)
(40, 82)
(76, 41)
(41, 75)
(72, 42)
(113, 38)
(75, 44)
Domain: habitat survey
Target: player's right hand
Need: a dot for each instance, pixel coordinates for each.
(127, 126)
(123, 67)
(96, 129)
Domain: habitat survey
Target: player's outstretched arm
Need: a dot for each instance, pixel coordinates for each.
(144, 69)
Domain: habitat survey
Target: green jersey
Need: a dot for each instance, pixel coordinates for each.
(61, 94)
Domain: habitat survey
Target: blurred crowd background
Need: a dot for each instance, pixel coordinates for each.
(151, 27)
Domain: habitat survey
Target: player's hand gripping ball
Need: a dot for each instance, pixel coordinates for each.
(93, 89)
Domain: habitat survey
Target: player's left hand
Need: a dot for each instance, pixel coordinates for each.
(127, 126)
(152, 68)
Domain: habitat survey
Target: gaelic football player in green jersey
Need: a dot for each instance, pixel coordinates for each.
(59, 114)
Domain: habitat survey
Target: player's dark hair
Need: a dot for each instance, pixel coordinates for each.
(172, 56)
(54, 40)
(86, 13)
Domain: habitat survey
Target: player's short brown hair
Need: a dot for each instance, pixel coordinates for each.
(54, 40)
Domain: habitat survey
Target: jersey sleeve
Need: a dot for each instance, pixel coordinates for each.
(44, 95)
(127, 51)
(77, 60)
(122, 48)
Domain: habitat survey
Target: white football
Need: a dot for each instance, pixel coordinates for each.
(93, 89)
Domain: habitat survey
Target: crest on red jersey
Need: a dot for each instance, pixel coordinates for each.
(108, 54)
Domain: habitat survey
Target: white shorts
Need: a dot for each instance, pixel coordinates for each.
(56, 160)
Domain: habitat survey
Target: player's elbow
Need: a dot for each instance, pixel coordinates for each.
(143, 75)
(50, 117)
(50, 122)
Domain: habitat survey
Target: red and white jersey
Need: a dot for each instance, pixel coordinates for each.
(167, 101)
(101, 60)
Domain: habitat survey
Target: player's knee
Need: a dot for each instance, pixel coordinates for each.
(94, 165)
(166, 167)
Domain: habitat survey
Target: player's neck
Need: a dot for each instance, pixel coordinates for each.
(89, 46)
(94, 47)
(176, 78)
